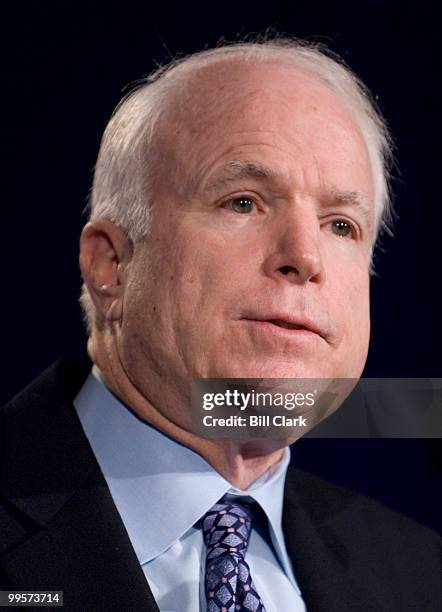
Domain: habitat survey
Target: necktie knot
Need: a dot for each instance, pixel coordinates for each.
(226, 529)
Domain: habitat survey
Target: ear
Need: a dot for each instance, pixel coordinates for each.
(105, 251)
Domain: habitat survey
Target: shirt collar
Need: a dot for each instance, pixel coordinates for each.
(160, 487)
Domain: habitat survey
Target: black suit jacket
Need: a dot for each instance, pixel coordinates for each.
(60, 530)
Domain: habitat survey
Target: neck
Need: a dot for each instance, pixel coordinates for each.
(240, 462)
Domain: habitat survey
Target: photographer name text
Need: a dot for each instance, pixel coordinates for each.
(254, 421)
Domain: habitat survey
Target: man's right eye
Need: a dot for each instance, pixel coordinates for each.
(242, 205)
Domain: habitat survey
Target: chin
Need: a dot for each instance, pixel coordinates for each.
(266, 369)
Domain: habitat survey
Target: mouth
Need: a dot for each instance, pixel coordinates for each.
(288, 326)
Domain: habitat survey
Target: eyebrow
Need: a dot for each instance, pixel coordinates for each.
(240, 169)
(351, 198)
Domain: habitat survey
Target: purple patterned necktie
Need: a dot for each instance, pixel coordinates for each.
(229, 586)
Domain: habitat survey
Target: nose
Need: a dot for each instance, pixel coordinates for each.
(295, 255)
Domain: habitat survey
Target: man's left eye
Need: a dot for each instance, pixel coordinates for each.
(341, 228)
(242, 205)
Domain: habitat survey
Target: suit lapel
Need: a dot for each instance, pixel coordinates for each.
(84, 551)
(76, 540)
(319, 557)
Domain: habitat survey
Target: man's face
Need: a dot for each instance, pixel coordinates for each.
(257, 263)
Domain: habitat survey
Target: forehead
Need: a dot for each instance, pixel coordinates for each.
(270, 109)
(235, 92)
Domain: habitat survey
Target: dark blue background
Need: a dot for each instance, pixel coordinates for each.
(67, 63)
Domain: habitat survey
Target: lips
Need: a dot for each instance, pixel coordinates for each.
(290, 322)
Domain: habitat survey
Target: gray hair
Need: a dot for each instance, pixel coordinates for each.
(125, 169)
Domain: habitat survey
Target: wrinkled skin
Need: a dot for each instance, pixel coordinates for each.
(206, 269)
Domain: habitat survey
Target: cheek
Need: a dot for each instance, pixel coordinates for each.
(349, 297)
(360, 322)
(355, 321)
(205, 261)
(186, 287)
(359, 298)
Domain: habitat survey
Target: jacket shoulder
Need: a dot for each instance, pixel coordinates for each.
(39, 434)
(361, 520)
(61, 381)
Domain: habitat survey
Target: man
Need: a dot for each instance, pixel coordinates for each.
(236, 201)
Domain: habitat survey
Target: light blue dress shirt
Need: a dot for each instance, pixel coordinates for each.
(161, 489)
